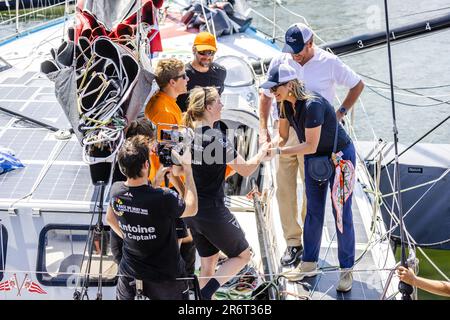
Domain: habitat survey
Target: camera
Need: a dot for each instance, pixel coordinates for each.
(170, 137)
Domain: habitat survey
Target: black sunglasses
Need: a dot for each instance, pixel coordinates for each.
(275, 88)
(206, 53)
(184, 76)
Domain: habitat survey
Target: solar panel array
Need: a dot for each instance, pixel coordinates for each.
(32, 95)
(54, 170)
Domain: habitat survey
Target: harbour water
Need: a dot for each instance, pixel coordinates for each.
(417, 63)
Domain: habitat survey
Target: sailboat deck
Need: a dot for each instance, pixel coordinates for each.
(55, 176)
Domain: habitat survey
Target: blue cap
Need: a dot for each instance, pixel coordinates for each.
(296, 37)
(279, 74)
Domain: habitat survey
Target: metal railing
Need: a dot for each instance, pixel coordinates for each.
(20, 21)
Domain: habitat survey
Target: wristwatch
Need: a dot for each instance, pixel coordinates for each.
(343, 110)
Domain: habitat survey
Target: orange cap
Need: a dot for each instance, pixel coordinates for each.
(205, 41)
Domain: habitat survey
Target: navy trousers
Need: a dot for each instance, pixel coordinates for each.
(316, 194)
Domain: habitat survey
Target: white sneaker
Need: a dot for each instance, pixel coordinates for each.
(345, 281)
(303, 270)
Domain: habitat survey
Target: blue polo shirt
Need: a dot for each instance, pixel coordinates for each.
(313, 113)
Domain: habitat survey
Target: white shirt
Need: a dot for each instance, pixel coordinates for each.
(320, 74)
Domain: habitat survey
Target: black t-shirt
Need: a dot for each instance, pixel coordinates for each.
(146, 217)
(211, 151)
(313, 113)
(214, 77)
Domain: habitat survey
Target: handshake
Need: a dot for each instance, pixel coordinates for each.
(268, 150)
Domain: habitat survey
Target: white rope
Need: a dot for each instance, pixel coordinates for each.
(52, 158)
(433, 264)
(420, 185)
(204, 16)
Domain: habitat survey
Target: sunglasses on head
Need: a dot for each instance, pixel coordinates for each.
(184, 76)
(206, 53)
(275, 88)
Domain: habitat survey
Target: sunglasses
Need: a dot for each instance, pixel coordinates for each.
(206, 53)
(184, 76)
(275, 88)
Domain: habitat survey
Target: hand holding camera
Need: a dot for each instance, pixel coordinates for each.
(172, 138)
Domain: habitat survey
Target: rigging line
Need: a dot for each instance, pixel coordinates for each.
(406, 88)
(405, 287)
(395, 201)
(86, 243)
(433, 264)
(421, 138)
(396, 221)
(53, 156)
(301, 17)
(36, 122)
(409, 236)
(408, 95)
(421, 185)
(397, 87)
(426, 245)
(391, 18)
(433, 182)
(204, 16)
(87, 273)
(410, 104)
(282, 274)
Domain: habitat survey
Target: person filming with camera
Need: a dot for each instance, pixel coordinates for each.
(170, 75)
(144, 217)
(215, 228)
(314, 121)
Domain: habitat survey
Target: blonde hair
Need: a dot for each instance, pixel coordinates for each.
(166, 70)
(198, 99)
(299, 92)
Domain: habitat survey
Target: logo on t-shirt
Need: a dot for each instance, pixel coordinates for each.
(120, 208)
(116, 204)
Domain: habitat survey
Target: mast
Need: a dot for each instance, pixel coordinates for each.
(405, 289)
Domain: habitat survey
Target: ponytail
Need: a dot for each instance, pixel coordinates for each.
(188, 119)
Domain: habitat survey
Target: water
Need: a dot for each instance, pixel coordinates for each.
(417, 63)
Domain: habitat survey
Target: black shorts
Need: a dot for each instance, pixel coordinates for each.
(224, 234)
(181, 228)
(161, 290)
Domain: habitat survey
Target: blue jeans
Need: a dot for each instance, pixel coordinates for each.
(316, 194)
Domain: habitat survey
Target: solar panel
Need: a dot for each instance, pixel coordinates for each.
(18, 183)
(33, 96)
(67, 179)
(65, 182)
(4, 119)
(29, 144)
(72, 152)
